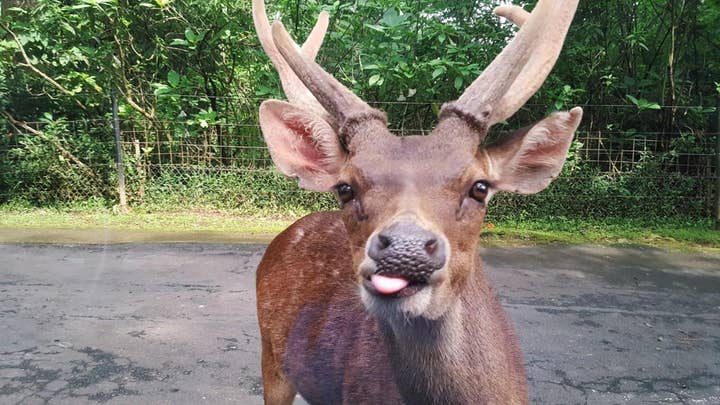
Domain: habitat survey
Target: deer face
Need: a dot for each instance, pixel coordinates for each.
(413, 220)
(412, 206)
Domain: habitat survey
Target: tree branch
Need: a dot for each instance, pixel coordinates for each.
(63, 151)
(126, 88)
(37, 71)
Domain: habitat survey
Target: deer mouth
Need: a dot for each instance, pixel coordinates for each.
(387, 286)
(398, 292)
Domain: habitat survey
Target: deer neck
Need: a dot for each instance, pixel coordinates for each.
(458, 357)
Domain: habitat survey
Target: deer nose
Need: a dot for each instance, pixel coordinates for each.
(405, 249)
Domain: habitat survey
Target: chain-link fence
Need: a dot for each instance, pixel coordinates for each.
(193, 162)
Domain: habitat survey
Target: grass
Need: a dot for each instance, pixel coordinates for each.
(181, 221)
(672, 233)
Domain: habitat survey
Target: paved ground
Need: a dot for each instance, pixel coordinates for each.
(176, 324)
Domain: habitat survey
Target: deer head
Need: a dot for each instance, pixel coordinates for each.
(413, 206)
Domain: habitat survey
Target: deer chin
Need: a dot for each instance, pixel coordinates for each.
(397, 307)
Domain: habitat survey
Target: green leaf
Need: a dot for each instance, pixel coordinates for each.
(375, 27)
(178, 41)
(90, 80)
(262, 90)
(438, 72)
(190, 36)
(436, 108)
(392, 18)
(161, 89)
(173, 78)
(643, 104)
(375, 80)
(24, 39)
(68, 27)
(458, 83)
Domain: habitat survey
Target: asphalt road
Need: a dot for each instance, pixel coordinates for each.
(176, 324)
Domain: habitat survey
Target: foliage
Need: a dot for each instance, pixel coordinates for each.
(250, 192)
(37, 171)
(590, 193)
(186, 70)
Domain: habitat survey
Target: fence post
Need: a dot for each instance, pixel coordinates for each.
(118, 154)
(717, 165)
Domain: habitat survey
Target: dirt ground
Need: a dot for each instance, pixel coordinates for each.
(175, 323)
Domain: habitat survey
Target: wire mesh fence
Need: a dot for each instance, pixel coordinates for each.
(223, 163)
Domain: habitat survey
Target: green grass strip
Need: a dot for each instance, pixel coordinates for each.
(672, 233)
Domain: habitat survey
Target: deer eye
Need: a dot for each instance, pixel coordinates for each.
(345, 193)
(479, 190)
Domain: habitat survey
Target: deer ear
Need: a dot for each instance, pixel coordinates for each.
(302, 145)
(532, 157)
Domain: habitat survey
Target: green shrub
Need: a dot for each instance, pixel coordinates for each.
(40, 169)
(246, 190)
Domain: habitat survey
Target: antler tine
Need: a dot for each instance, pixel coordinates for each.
(521, 68)
(314, 41)
(343, 105)
(516, 14)
(294, 89)
(544, 56)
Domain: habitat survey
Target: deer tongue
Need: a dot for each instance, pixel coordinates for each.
(388, 285)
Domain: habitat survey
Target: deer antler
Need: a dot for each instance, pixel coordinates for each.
(346, 109)
(520, 69)
(294, 89)
(516, 14)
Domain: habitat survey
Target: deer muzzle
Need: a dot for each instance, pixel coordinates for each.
(404, 255)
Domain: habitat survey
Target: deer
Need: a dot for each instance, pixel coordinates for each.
(385, 300)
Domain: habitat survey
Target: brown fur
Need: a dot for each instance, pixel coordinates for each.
(320, 338)
(315, 311)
